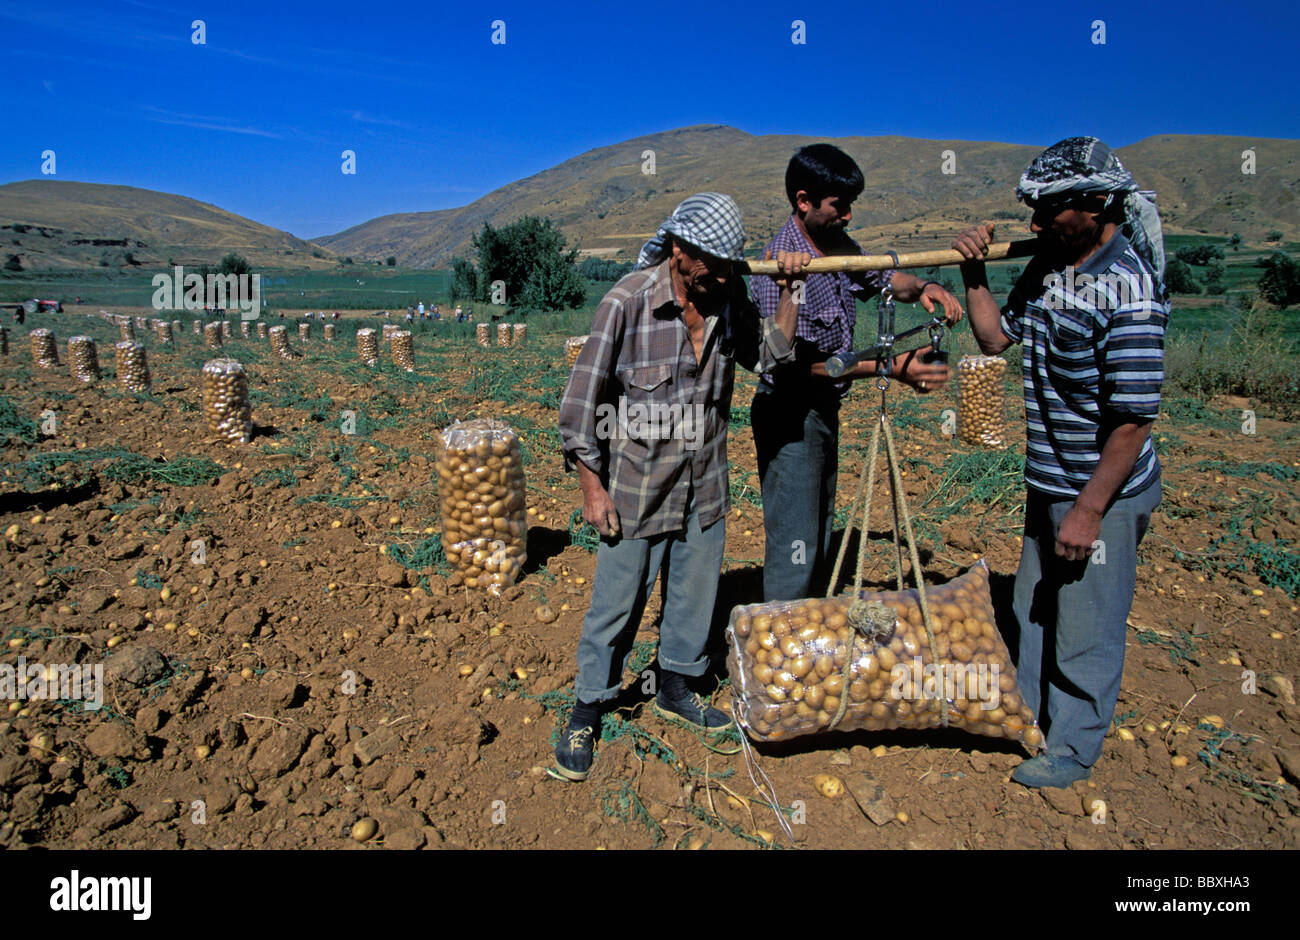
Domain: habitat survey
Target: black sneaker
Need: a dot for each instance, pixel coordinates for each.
(676, 702)
(575, 750)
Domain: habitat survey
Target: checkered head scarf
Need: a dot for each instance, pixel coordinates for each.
(709, 221)
(1085, 165)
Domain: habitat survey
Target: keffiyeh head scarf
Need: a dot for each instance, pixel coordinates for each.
(1085, 165)
(709, 221)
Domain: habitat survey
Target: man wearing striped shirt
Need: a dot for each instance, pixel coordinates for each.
(1090, 313)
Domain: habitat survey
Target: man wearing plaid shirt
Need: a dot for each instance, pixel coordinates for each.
(795, 414)
(644, 422)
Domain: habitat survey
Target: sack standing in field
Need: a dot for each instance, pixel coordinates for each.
(132, 366)
(981, 402)
(226, 404)
(212, 335)
(482, 495)
(83, 359)
(45, 349)
(403, 350)
(503, 335)
(573, 349)
(483, 335)
(802, 667)
(367, 346)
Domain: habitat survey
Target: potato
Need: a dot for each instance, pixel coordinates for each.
(828, 785)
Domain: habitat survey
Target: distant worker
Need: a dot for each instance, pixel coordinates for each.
(421, 309)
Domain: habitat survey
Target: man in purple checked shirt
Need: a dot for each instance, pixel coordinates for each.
(795, 414)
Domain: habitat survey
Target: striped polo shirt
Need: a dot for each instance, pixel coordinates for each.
(1092, 341)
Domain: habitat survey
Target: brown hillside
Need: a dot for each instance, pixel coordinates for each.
(604, 203)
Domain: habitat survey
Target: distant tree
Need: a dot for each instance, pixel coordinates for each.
(13, 264)
(1214, 285)
(1179, 279)
(347, 260)
(603, 270)
(1273, 236)
(1280, 283)
(1235, 241)
(529, 256)
(464, 280)
(391, 261)
(233, 264)
(1199, 254)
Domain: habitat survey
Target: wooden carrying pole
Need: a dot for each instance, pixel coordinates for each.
(912, 259)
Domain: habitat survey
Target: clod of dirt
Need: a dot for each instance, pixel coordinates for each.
(1280, 686)
(392, 575)
(376, 745)
(113, 817)
(405, 840)
(278, 753)
(111, 739)
(17, 772)
(137, 664)
(1061, 800)
(244, 621)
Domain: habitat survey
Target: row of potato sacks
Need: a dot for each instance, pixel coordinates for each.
(797, 665)
(482, 496)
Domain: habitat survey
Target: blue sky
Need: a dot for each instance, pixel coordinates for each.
(255, 119)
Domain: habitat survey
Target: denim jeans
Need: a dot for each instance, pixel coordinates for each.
(797, 440)
(691, 562)
(1073, 621)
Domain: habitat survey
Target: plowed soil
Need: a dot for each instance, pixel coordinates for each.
(318, 667)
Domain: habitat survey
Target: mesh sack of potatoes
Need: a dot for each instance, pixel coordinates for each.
(132, 366)
(403, 350)
(154, 324)
(304, 331)
(482, 496)
(82, 358)
(483, 335)
(198, 327)
(799, 667)
(45, 349)
(4, 341)
(573, 348)
(262, 330)
(981, 400)
(226, 330)
(280, 343)
(245, 329)
(503, 334)
(226, 404)
(125, 328)
(142, 323)
(329, 332)
(177, 328)
(367, 346)
(212, 335)
(519, 334)
(164, 333)
(389, 330)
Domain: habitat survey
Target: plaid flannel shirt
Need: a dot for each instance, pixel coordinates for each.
(640, 354)
(829, 312)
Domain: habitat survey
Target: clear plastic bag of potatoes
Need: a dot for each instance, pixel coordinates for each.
(982, 400)
(482, 496)
(799, 667)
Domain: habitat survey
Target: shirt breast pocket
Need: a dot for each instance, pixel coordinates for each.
(1069, 337)
(645, 382)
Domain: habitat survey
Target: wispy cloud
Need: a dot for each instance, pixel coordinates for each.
(363, 118)
(204, 122)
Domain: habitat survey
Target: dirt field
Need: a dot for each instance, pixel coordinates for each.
(319, 668)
